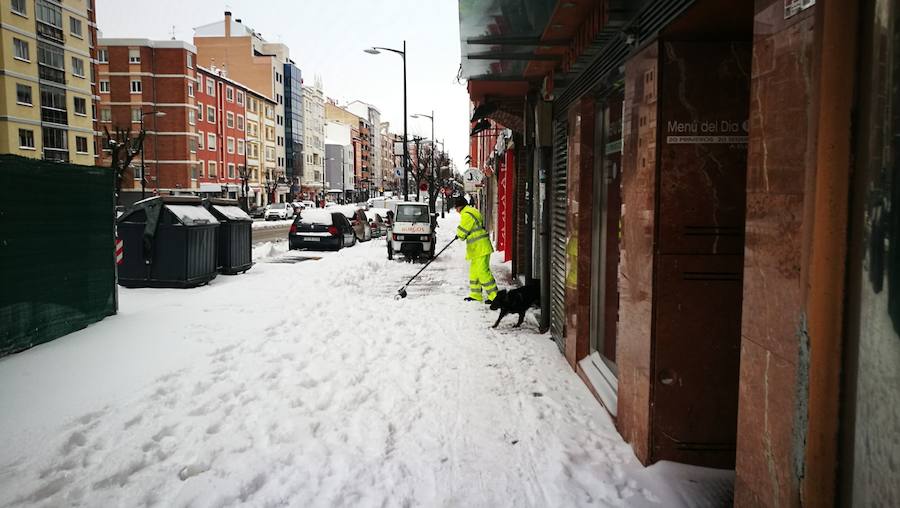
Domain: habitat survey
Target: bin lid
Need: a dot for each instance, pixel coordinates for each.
(231, 212)
(190, 215)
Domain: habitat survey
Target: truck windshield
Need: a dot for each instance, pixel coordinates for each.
(412, 213)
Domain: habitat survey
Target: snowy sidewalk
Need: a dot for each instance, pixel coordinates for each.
(304, 383)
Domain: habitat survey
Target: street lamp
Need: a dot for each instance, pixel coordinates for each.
(144, 134)
(375, 51)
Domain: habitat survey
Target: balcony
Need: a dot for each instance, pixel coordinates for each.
(53, 115)
(50, 32)
(50, 74)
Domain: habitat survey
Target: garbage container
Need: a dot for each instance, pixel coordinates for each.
(169, 241)
(234, 237)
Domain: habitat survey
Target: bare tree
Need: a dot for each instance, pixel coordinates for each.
(423, 170)
(124, 148)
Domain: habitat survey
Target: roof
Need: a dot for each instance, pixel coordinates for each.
(148, 43)
(217, 29)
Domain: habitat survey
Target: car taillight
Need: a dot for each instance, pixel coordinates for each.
(398, 238)
(293, 228)
(332, 231)
(425, 238)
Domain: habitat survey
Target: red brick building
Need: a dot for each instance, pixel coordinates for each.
(151, 83)
(221, 130)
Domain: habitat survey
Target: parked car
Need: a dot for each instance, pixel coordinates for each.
(297, 206)
(412, 233)
(321, 230)
(308, 204)
(358, 220)
(377, 224)
(279, 211)
(258, 212)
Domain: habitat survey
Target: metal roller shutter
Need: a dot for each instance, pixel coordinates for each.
(559, 197)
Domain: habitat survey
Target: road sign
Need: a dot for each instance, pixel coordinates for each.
(398, 171)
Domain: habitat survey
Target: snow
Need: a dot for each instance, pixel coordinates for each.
(232, 212)
(282, 387)
(190, 214)
(272, 224)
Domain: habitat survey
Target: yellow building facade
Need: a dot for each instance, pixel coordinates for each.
(46, 106)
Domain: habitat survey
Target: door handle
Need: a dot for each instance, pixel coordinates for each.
(666, 377)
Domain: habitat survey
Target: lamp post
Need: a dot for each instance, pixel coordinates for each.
(144, 134)
(375, 51)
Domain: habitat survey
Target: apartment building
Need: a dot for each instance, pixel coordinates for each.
(221, 130)
(314, 137)
(46, 77)
(249, 59)
(261, 146)
(151, 85)
(293, 128)
(372, 157)
(389, 161)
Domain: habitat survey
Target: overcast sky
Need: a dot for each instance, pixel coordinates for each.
(326, 38)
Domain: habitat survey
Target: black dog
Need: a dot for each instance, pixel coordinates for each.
(515, 301)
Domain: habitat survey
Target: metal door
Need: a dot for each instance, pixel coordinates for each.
(560, 194)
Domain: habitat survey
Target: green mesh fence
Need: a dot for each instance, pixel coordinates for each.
(57, 266)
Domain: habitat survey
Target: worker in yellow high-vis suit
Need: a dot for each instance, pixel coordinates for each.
(478, 251)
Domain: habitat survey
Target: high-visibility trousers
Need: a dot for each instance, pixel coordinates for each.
(481, 279)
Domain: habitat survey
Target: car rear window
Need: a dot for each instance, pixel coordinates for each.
(316, 217)
(412, 213)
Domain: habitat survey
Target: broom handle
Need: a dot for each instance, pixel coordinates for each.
(429, 262)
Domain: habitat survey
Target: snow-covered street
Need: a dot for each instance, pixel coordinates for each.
(305, 383)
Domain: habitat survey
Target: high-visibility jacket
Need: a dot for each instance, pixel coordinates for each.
(471, 229)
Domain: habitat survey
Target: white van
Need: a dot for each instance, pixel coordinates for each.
(412, 233)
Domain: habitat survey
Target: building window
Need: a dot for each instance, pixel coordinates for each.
(80, 106)
(22, 52)
(240, 97)
(211, 142)
(56, 143)
(103, 56)
(26, 138)
(105, 115)
(202, 167)
(192, 144)
(230, 170)
(104, 86)
(75, 28)
(190, 60)
(210, 87)
(229, 94)
(240, 122)
(134, 56)
(210, 114)
(77, 67)
(200, 111)
(18, 6)
(192, 117)
(23, 95)
(240, 147)
(229, 120)
(135, 115)
(270, 153)
(200, 138)
(190, 89)
(81, 144)
(212, 169)
(136, 86)
(230, 144)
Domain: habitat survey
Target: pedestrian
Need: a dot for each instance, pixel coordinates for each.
(478, 251)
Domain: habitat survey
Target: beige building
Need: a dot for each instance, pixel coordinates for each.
(259, 65)
(261, 150)
(46, 99)
(314, 137)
